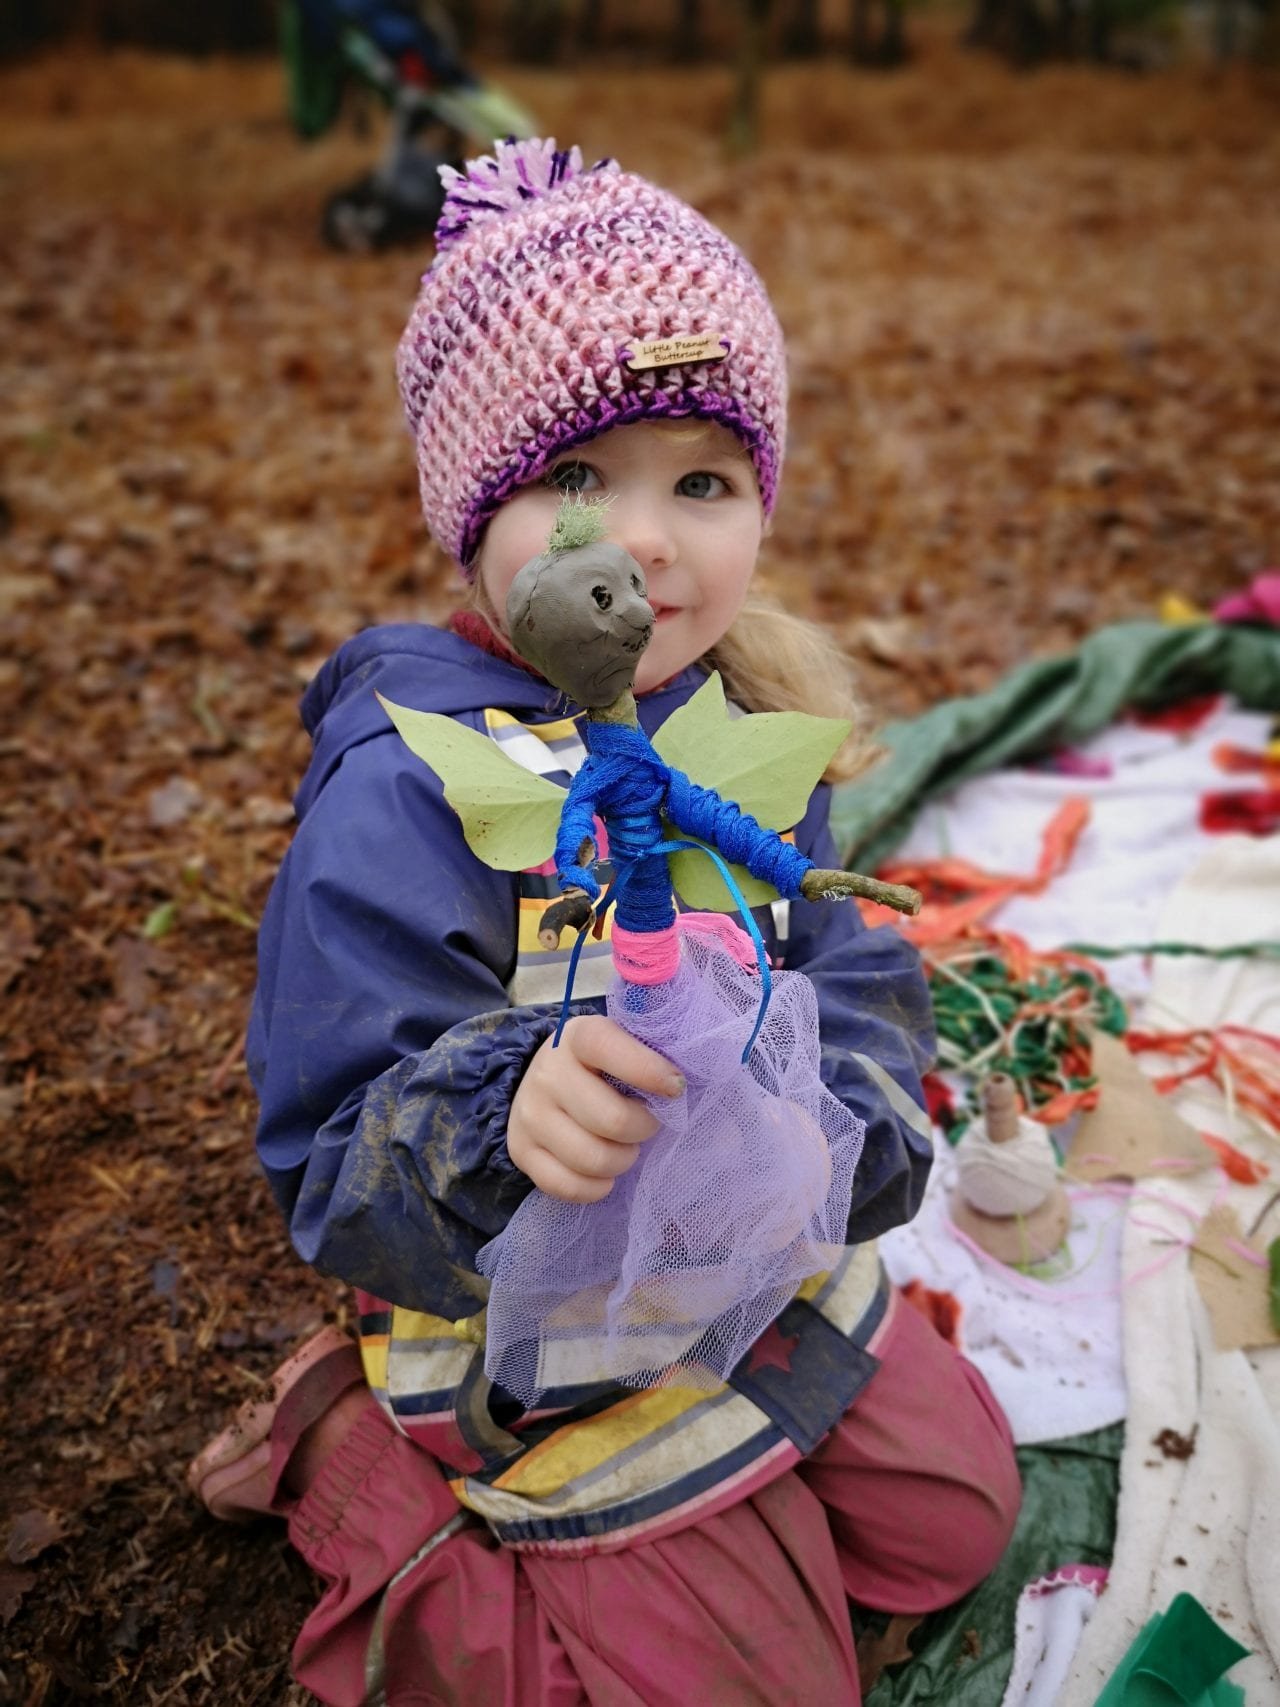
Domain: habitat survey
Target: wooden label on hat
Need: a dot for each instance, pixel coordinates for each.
(673, 352)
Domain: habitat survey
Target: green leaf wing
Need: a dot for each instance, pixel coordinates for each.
(769, 762)
(696, 879)
(509, 815)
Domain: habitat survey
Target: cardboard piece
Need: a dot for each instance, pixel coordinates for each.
(1016, 1240)
(1133, 1128)
(1234, 1289)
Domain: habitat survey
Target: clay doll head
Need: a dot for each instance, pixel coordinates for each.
(579, 614)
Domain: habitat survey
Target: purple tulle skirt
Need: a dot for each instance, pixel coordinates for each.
(740, 1196)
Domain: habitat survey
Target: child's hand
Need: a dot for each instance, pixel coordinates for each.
(572, 1133)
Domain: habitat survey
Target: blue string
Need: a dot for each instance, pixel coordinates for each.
(753, 930)
(739, 901)
(573, 964)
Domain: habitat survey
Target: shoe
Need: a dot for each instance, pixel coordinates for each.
(239, 1473)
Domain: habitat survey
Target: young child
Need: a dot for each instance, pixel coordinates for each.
(613, 1547)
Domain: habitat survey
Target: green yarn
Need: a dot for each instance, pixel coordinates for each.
(1237, 951)
(1036, 1030)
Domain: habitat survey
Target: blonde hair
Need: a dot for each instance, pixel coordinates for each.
(770, 660)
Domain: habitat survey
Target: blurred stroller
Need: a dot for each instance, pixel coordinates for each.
(406, 53)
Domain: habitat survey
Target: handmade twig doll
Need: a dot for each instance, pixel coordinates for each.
(744, 1193)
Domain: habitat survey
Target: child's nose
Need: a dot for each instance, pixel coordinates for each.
(642, 530)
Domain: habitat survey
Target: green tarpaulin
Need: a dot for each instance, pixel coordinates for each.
(964, 1655)
(1053, 703)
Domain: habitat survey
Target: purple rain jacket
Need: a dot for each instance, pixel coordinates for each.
(382, 1044)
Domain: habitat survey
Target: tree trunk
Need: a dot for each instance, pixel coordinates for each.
(1226, 30)
(86, 23)
(1065, 46)
(687, 43)
(744, 117)
(533, 30)
(860, 47)
(1100, 31)
(587, 28)
(802, 39)
(893, 46)
(1266, 46)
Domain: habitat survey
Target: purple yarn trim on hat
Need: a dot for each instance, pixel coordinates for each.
(588, 424)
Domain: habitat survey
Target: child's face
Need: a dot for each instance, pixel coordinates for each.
(683, 502)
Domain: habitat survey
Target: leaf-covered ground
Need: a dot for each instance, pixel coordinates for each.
(1036, 338)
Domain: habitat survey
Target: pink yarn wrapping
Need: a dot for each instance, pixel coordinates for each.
(741, 1195)
(651, 957)
(646, 957)
(516, 348)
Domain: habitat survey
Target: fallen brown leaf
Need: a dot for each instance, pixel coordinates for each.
(32, 1533)
(889, 1648)
(13, 1585)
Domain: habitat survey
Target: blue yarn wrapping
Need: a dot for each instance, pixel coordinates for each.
(626, 784)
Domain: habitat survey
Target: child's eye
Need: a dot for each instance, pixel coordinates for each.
(573, 477)
(701, 485)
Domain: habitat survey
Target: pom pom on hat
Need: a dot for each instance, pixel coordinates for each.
(547, 275)
(516, 172)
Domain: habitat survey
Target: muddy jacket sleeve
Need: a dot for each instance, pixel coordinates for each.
(876, 1027)
(381, 1043)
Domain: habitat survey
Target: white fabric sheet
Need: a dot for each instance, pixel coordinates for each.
(1144, 870)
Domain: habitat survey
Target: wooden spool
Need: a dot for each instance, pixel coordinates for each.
(1012, 1239)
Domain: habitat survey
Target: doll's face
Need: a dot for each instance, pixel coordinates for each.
(582, 620)
(681, 498)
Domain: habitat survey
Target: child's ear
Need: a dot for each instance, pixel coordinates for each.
(766, 531)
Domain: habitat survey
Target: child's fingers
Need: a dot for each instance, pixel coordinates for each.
(599, 1109)
(603, 1046)
(557, 1179)
(584, 1151)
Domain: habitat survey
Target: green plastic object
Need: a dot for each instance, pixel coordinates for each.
(316, 73)
(963, 1655)
(1178, 1660)
(1052, 703)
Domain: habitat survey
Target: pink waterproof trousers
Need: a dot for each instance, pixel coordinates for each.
(906, 1505)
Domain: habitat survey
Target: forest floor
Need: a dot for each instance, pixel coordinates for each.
(1035, 334)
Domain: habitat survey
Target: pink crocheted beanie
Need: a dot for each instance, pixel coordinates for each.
(547, 277)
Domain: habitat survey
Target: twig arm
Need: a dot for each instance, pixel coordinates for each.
(571, 912)
(823, 885)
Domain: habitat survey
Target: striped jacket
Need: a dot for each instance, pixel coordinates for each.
(401, 994)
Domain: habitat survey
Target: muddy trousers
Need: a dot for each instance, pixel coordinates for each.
(906, 1505)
